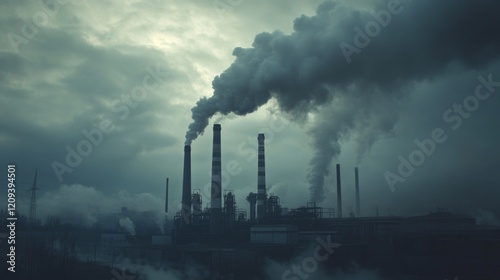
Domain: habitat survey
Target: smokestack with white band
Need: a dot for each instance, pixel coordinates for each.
(261, 179)
(216, 201)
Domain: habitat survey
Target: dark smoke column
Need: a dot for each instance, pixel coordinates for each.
(261, 180)
(216, 202)
(186, 188)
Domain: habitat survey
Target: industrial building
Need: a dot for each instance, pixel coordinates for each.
(222, 237)
(221, 222)
(226, 242)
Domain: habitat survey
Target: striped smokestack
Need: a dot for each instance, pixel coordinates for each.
(261, 179)
(358, 203)
(186, 187)
(339, 193)
(216, 202)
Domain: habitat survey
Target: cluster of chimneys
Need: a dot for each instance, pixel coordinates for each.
(216, 220)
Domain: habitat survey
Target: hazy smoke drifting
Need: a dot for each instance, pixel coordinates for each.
(486, 218)
(335, 121)
(306, 70)
(277, 270)
(77, 204)
(128, 225)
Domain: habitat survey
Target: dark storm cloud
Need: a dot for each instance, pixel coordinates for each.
(308, 68)
(60, 85)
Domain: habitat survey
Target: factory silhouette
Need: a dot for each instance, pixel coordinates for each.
(221, 220)
(222, 241)
(234, 245)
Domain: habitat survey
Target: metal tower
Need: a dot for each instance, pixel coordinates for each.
(33, 200)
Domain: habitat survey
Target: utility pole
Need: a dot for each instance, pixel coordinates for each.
(33, 189)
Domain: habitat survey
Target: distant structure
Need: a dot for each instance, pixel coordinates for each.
(252, 199)
(166, 196)
(197, 202)
(358, 203)
(339, 193)
(229, 210)
(33, 189)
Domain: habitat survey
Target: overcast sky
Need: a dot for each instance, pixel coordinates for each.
(323, 93)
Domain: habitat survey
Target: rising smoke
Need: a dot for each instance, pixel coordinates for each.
(127, 224)
(307, 72)
(82, 205)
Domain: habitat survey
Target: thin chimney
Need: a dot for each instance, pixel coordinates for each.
(166, 196)
(339, 193)
(186, 187)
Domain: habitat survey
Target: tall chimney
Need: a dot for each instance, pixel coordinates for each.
(166, 196)
(358, 203)
(186, 188)
(216, 202)
(339, 193)
(261, 179)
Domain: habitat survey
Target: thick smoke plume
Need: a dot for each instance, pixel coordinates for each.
(307, 71)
